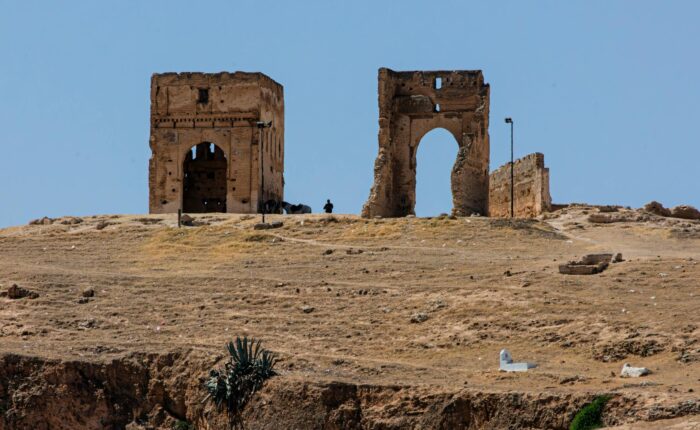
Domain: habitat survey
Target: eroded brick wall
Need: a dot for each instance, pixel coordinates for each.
(192, 109)
(410, 105)
(531, 188)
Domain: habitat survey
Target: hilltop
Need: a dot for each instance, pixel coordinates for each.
(395, 318)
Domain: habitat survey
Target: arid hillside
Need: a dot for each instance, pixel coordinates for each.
(396, 318)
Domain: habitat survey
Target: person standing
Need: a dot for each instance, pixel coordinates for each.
(328, 207)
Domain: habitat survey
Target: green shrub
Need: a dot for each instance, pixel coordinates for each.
(183, 425)
(589, 417)
(247, 367)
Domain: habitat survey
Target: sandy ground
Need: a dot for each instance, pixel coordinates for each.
(335, 297)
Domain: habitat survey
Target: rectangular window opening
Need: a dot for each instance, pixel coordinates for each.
(438, 83)
(203, 96)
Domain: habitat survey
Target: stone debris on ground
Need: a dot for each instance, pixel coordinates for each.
(41, 221)
(633, 372)
(17, 292)
(186, 220)
(657, 208)
(685, 212)
(590, 264)
(681, 211)
(307, 309)
(71, 220)
(268, 226)
(419, 317)
(88, 292)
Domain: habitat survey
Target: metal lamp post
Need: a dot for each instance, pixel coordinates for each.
(261, 125)
(509, 120)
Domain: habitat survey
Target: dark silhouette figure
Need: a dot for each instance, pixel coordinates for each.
(328, 207)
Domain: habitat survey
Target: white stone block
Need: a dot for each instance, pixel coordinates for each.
(507, 364)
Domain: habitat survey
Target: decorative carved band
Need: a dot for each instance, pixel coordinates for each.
(235, 116)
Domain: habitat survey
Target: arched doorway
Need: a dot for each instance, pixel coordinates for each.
(435, 158)
(204, 181)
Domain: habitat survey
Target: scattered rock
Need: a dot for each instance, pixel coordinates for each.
(569, 380)
(608, 208)
(268, 225)
(71, 220)
(657, 209)
(685, 212)
(590, 264)
(608, 218)
(353, 251)
(633, 372)
(41, 221)
(307, 309)
(438, 304)
(83, 300)
(419, 318)
(89, 292)
(186, 220)
(328, 252)
(87, 324)
(619, 350)
(101, 224)
(618, 258)
(17, 292)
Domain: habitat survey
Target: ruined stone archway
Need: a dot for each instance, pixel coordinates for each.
(204, 179)
(435, 156)
(410, 105)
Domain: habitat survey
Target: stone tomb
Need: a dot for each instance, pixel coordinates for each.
(206, 145)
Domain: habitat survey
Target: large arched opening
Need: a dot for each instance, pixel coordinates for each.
(204, 179)
(435, 158)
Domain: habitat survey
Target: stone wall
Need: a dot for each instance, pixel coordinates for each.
(531, 188)
(206, 147)
(410, 105)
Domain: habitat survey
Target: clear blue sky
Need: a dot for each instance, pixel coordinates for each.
(608, 90)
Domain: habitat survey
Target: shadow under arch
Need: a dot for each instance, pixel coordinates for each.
(204, 179)
(433, 161)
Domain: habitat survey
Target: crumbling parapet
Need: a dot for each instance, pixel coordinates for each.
(531, 188)
(206, 145)
(410, 105)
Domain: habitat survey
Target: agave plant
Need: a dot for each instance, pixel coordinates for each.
(248, 366)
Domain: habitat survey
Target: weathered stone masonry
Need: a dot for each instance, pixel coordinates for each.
(410, 105)
(531, 188)
(206, 146)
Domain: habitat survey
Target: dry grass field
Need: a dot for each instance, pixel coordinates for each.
(412, 301)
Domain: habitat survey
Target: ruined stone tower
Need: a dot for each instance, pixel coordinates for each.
(410, 105)
(207, 144)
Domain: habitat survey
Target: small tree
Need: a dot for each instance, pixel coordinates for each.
(589, 417)
(247, 367)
